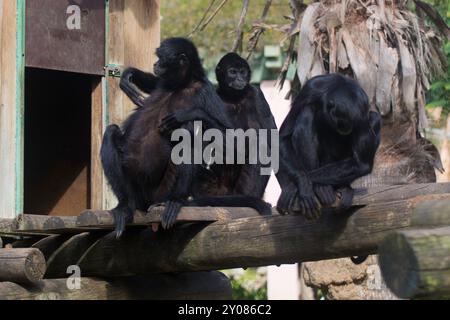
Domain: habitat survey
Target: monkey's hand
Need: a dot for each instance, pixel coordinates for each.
(325, 194)
(171, 122)
(306, 201)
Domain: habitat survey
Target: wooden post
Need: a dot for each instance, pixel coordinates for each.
(132, 37)
(187, 286)
(24, 266)
(11, 107)
(416, 263)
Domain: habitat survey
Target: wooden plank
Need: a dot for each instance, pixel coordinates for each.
(249, 242)
(187, 286)
(8, 77)
(25, 266)
(416, 263)
(134, 34)
(97, 119)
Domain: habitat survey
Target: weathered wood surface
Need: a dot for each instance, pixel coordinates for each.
(6, 225)
(416, 263)
(433, 213)
(102, 220)
(8, 111)
(250, 242)
(69, 253)
(187, 286)
(25, 266)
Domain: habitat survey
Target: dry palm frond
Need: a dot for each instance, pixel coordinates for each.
(384, 45)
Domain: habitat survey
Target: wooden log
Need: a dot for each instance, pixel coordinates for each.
(5, 225)
(50, 244)
(28, 223)
(102, 220)
(249, 242)
(187, 286)
(432, 213)
(416, 263)
(69, 253)
(25, 266)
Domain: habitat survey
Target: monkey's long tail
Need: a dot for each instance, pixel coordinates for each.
(233, 201)
(112, 166)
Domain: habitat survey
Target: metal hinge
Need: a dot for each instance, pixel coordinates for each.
(113, 70)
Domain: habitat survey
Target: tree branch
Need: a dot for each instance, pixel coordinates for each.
(239, 31)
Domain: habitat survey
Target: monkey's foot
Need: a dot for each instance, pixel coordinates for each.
(286, 200)
(122, 216)
(309, 207)
(170, 214)
(346, 196)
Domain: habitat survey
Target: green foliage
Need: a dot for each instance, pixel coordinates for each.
(439, 93)
(179, 18)
(250, 284)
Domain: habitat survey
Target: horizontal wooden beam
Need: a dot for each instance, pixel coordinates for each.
(416, 263)
(92, 220)
(232, 238)
(255, 241)
(185, 286)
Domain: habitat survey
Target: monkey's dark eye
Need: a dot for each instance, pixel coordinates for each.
(232, 72)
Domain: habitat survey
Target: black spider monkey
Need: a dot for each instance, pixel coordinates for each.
(328, 140)
(136, 159)
(245, 106)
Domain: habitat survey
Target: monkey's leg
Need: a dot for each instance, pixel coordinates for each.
(112, 166)
(173, 191)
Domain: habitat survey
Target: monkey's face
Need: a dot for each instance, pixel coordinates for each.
(237, 77)
(173, 66)
(340, 118)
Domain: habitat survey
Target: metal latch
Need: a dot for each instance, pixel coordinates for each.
(113, 70)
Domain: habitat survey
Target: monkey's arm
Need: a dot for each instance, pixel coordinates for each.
(306, 144)
(176, 119)
(135, 82)
(298, 151)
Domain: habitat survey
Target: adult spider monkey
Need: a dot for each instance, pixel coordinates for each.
(328, 140)
(137, 158)
(245, 106)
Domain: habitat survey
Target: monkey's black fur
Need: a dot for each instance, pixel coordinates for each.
(136, 159)
(328, 140)
(247, 108)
